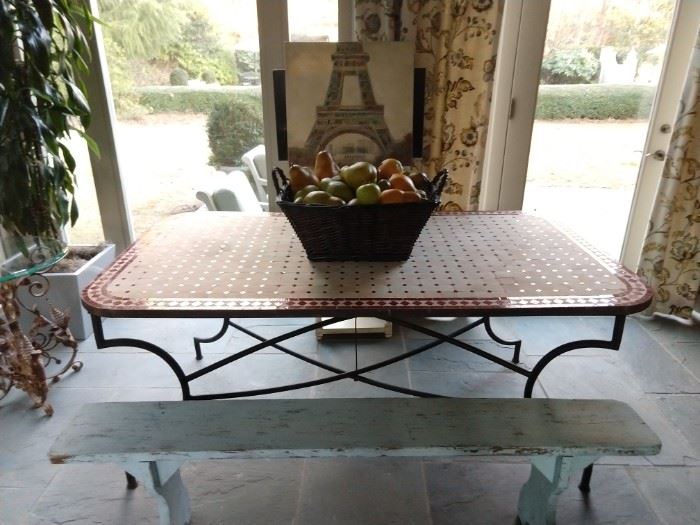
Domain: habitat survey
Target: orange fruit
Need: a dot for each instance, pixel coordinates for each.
(400, 181)
(392, 196)
(411, 196)
(388, 167)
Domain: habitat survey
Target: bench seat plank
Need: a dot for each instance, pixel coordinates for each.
(269, 428)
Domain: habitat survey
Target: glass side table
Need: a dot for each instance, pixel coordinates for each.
(26, 354)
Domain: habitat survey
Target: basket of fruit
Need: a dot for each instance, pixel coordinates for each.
(359, 212)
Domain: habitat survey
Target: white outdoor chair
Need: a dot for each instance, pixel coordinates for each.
(235, 194)
(254, 160)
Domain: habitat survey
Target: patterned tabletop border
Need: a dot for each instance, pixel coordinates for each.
(219, 264)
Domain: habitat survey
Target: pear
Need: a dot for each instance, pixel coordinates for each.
(299, 177)
(359, 174)
(324, 167)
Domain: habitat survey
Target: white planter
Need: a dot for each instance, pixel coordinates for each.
(64, 293)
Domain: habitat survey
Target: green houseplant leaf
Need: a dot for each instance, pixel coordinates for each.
(43, 53)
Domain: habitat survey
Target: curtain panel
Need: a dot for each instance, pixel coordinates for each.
(456, 43)
(670, 260)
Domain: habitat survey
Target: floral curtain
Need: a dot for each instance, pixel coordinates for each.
(456, 42)
(671, 255)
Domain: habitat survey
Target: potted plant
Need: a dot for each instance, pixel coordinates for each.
(43, 52)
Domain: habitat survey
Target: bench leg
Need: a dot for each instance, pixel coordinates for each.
(549, 476)
(162, 480)
(585, 485)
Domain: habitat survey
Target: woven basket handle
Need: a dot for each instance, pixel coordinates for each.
(439, 181)
(279, 179)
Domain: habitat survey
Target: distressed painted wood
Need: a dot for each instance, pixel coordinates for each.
(151, 439)
(353, 427)
(549, 477)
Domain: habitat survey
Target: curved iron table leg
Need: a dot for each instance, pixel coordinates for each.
(612, 344)
(218, 335)
(101, 342)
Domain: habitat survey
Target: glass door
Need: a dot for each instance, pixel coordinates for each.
(601, 66)
(582, 140)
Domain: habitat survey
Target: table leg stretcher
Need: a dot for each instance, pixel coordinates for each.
(152, 439)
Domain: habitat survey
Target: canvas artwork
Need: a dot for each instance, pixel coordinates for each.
(352, 99)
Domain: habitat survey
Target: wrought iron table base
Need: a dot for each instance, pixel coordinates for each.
(514, 364)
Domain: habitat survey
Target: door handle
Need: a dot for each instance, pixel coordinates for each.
(657, 155)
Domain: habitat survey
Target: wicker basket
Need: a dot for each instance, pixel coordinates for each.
(378, 232)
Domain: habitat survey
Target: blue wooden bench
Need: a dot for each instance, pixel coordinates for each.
(152, 439)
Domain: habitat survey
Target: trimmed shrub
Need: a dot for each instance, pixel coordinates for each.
(185, 99)
(179, 77)
(594, 101)
(569, 66)
(234, 127)
(209, 76)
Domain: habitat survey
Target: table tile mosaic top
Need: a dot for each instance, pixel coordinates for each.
(220, 264)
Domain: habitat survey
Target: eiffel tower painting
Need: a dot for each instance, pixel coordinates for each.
(349, 121)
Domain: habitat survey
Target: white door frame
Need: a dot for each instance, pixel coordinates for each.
(516, 84)
(684, 31)
(514, 97)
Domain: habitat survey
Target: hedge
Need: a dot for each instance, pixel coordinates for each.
(594, 101)
(187, 99)
(589, 101)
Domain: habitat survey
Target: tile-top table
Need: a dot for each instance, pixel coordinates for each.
(232, 265)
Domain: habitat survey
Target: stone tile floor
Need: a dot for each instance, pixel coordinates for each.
(657, 371)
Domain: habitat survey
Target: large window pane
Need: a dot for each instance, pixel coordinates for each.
(174, 65)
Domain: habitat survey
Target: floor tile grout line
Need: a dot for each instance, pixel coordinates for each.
(428, 511)
(642, 494)
(664, 345)
(295, 520)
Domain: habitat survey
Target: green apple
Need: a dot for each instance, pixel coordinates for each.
(323, 186)
(340, 190)
(305, 191)
(368, 194)
(321, 197)
(358, 174)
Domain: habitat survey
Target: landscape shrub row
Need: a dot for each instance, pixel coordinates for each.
(186, 99)
(584, 101)
(594, 101)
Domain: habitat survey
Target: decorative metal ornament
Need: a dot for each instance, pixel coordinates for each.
(25, 356)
